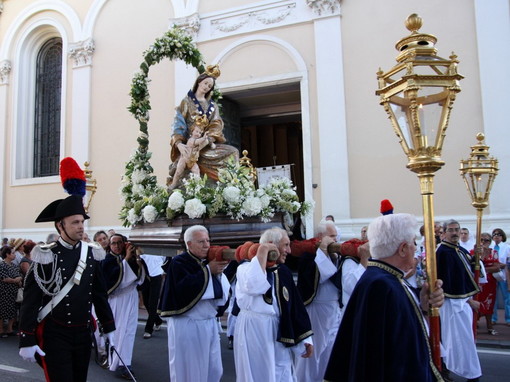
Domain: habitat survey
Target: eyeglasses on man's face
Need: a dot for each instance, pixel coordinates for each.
(496, 234)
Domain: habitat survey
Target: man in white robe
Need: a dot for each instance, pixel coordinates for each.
(194, 289)
(266, 339)
(322, 298)
(123, 272)
(454, 267)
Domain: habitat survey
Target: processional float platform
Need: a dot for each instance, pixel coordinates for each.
(166, 237)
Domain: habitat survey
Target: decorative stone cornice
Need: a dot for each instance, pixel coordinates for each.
(190, 24)
(324, 7)
(5, 70)
(81, 52)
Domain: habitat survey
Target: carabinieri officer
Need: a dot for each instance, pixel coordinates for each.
(63, 282)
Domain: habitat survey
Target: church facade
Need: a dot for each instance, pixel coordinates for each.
(298, 79)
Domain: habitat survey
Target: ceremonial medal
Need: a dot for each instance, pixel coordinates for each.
(285, 293)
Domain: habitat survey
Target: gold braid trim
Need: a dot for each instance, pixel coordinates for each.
(196, 299)
(461, 255)
(121, 273)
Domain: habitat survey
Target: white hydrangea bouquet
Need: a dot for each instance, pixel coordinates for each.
(236, 196)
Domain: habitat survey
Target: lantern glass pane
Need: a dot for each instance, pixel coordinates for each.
(430, 107)
(481, 183)
(420, 125)
(399, 115)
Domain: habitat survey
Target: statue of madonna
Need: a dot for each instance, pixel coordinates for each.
(198, 103)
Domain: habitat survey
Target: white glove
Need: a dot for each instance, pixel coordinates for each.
(109, 338)
(28, 353)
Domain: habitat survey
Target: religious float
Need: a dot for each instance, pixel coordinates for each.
(208, 184)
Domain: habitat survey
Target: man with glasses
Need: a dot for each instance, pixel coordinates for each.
(194, 289)
(499, 244)
(454, 267)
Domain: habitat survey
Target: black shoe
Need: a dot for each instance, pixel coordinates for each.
(445, 373)
(103, 361)
(231, 342)
(473, 380)
(123, 372)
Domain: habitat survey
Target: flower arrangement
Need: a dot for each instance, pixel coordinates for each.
(234, 194)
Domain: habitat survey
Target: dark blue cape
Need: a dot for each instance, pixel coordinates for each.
(308, 277)
(294, 323)
(382, 336)
(457, 275)
(114, 272)
(185, 284)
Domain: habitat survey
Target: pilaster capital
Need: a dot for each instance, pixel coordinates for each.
(190, 24)
(324, 7)
(5, 70)
(81, 52)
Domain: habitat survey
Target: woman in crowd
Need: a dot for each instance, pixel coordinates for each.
(10, 281)
(26, 260)
(487, 295)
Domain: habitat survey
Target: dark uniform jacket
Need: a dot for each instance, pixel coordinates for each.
(75, 308)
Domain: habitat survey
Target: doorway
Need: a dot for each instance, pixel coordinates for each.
(266, 121)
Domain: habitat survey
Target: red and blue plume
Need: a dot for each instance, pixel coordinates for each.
(72, 177)
(386, 207)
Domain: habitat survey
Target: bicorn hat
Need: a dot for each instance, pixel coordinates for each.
(60, 208)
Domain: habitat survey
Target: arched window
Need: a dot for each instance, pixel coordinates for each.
(48, 91)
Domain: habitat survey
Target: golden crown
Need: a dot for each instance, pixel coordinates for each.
(213, 71)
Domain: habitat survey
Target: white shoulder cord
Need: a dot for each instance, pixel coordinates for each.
(54, 282)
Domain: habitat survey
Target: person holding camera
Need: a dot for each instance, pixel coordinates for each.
(123, 271)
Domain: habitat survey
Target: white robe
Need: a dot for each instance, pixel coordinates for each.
(194, 352)
(351, 273)
(457, 337)
(124, 303)
(325, 315)
(231, 319)
(258, 356)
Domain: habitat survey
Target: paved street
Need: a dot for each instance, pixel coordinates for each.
(150, 360)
